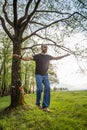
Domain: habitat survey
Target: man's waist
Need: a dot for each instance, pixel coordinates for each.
(43, 74)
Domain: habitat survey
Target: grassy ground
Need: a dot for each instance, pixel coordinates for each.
(69, 112)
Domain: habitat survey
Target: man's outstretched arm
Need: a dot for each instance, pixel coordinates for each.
(60, 57)
(23, 58)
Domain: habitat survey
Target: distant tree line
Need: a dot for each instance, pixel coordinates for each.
(60, 89)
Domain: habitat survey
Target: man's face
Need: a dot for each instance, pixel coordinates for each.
(44, 48)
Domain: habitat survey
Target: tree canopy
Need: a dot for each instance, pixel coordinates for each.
(35, 16)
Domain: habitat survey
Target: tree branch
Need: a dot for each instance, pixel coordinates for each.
(5, 14)
(59, 46)
(62, 13)
(34, 10)
(81, 2)
(15, 14)
(26, 12)
(55, 44)
(5, 28)
(23, 25)
(57, 21)
(60, 20)
(34, 22)
(53, 11)
(27, 7)
(79, 64)
(81, 15)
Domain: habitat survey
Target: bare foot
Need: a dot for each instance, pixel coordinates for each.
(46, 109)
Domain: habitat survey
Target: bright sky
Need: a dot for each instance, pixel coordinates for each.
(67, 68)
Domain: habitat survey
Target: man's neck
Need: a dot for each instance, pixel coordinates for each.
(43, 53)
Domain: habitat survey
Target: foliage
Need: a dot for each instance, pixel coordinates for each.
(69, 112)
(5, 64)
(28, 76)
(52, 75)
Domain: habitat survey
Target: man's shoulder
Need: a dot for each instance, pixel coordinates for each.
(49, 57)
(36, 54)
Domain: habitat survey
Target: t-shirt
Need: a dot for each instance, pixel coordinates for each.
(42, 63)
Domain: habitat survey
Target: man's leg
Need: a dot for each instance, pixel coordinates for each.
(46, 98)
(39, 89)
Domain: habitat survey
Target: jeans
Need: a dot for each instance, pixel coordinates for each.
(40, 81)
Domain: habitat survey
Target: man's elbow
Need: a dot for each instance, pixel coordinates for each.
(55, 58)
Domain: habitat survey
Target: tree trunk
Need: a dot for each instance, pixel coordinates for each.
(3, 89)
(17, 93)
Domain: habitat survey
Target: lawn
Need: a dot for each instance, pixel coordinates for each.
(68, 112)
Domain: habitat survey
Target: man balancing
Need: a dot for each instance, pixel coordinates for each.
(42, 63)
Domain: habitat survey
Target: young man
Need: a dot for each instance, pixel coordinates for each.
(42, 64)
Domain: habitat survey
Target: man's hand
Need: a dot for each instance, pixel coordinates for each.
(23, 58)
(17, 56)
(67, 54)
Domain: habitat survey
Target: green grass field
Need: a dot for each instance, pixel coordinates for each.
(69, 112)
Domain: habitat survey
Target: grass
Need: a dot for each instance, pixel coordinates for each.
(69, 112)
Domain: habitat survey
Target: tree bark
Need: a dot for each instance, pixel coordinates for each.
(17, 93)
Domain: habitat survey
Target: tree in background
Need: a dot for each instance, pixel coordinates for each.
(37, 18)
(28, 76)
(5, 64)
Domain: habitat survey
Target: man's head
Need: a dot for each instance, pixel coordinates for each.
(44, 48)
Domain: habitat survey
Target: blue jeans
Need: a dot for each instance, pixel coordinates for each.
(40, 81)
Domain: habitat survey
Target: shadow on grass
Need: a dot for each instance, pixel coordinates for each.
(8, 110)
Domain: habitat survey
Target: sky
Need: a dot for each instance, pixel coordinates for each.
(67, 69)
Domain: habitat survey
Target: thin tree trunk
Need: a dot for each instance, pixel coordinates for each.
(3, 82)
